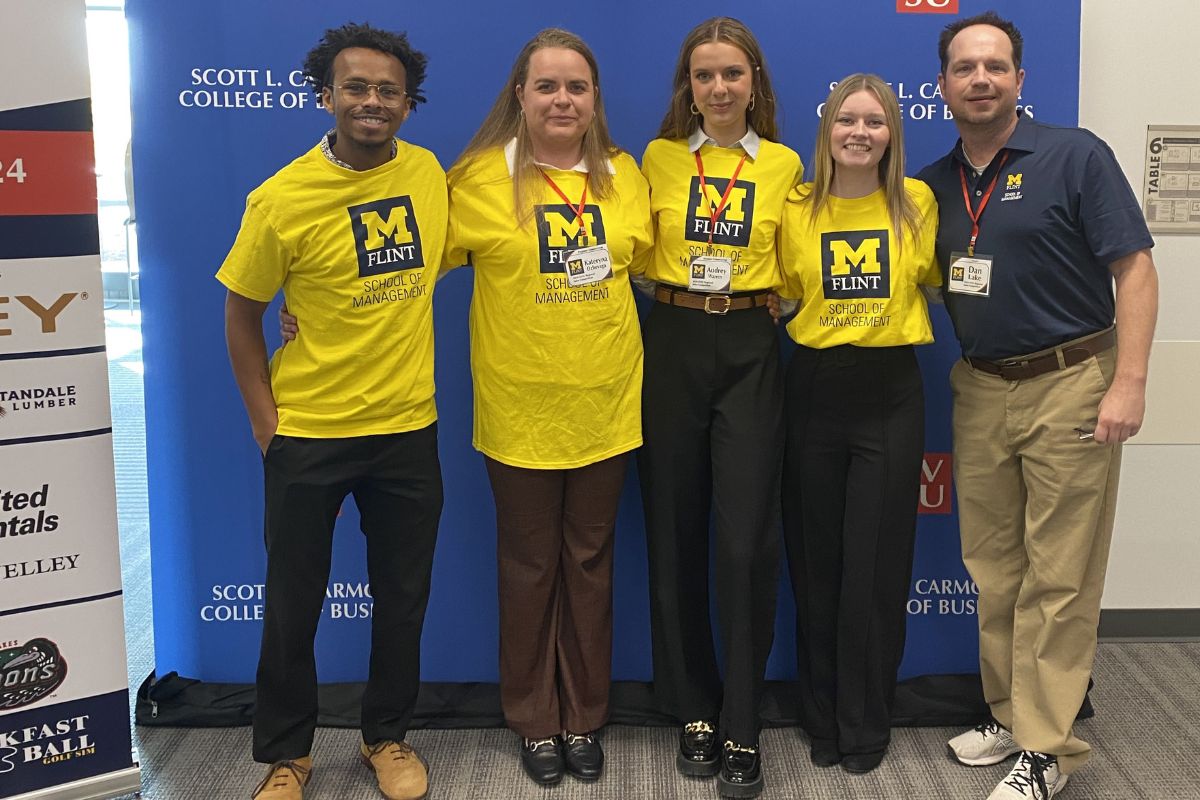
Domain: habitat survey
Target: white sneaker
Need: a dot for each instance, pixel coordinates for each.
(987, 744)
(1035, 777)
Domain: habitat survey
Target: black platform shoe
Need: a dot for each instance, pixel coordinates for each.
(697, 756)
(862, 763)
(741, 771)
(824, 752)
(543, 760)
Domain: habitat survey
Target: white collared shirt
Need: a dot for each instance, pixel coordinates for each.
(750, 142)
(510, 158)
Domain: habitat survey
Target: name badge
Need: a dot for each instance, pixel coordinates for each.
(710, 274)
(588, 265)
(970, 274)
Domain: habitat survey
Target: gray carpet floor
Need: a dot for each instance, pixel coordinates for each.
(1146, 732)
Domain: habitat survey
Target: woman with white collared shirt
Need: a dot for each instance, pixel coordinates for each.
(550, 214)
(712, 403)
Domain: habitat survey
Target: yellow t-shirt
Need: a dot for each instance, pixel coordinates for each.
(557, 369)
(745, 230)
(855, 286)
(356, 254)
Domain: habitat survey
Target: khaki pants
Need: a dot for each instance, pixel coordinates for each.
(1036, 510)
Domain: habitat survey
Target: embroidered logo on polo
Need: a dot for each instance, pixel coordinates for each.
(856, 264)
(30, 672)
(559, 232)
(733, 226)
(1012, 187)
(386, 236)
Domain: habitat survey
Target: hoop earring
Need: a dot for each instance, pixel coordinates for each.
(753, 97)
(695, 111)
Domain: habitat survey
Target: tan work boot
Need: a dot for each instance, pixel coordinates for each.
(285, 780)
(400, 771)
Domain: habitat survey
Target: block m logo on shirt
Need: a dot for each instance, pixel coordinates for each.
(732, 227)
(386, 236)
(856, 264)
(559, 232)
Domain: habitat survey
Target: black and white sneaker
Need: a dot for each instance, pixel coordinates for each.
(986, 744)
(1035, 777)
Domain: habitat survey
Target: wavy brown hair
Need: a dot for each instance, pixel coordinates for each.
(680, 122)
(902, 210)
(506, 121)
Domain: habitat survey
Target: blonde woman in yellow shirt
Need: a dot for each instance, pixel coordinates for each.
(713, 397)
(550, 213)
(857, 245)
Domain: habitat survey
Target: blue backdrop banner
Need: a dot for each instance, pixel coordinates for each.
(219, 106)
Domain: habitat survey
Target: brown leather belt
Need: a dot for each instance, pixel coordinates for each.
(1069, 354)
(708, 303)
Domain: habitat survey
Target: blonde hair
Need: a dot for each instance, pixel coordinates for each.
(505, 121)
(902, 210)
(680, 122)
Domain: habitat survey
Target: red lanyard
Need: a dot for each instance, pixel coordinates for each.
(975, 215)
(582, 202)
(716, 212)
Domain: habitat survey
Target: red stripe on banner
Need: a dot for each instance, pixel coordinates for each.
(47, 172)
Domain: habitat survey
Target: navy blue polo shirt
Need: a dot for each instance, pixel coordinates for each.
(1061, 212)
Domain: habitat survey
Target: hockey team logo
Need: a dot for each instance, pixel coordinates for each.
(386, 236)
(732, 227)
(856, 264)
(29, 673)
(559, 232)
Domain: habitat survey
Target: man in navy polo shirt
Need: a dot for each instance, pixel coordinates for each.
(1036, 223)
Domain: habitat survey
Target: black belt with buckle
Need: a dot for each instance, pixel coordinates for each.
(1020, 368)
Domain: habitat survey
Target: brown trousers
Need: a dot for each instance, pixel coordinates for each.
(554, 549)
(1036, 508)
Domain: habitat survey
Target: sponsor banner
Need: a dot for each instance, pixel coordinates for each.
(48, 39)
(50, 304)
(58, 522)
(209, 84)
(63, 683)
(64, 742)
(53, 395)
(61, 653)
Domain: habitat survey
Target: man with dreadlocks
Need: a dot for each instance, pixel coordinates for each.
(352, 232)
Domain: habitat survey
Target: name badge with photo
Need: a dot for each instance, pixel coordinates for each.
(588, 265)
(710, 274)
(970, 274)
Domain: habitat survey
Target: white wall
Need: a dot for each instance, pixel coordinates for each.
(1140, 65)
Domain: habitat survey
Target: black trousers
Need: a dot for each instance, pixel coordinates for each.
(397, 485)
(851, 481)
(712, 421)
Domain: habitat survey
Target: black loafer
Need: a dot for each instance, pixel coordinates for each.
(862, 763)
(825, 753)
(697, 756)
(584, 756)
(741, 771)
(543, 760)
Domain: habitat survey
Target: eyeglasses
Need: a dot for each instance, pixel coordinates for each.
(389, 94)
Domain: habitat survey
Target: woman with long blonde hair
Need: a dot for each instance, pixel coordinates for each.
(551, 213)
(713, 397)
(857, 246)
